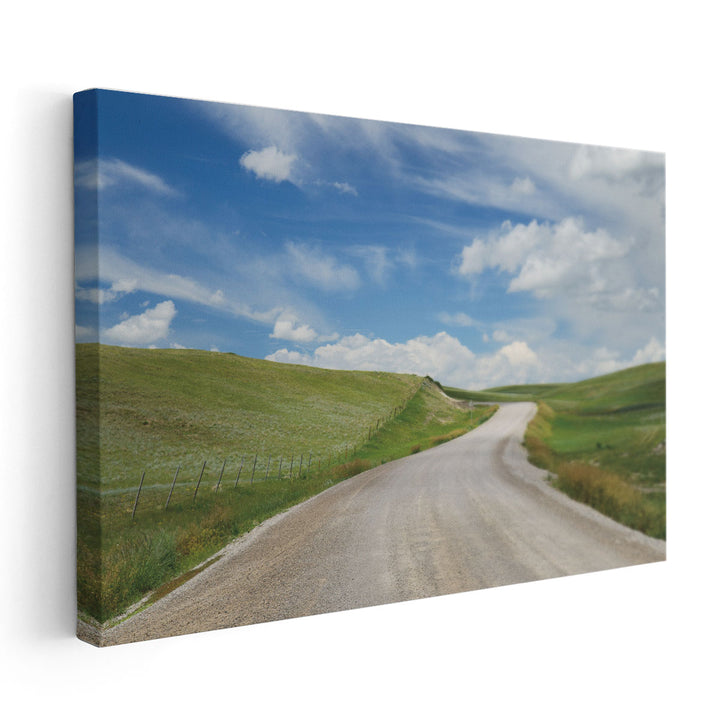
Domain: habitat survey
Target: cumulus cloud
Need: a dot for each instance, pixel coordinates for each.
(442, 356)
(519, 354)
(289, 327)
(148, 327)
(269, 163)
(563, 260)
(652, 352)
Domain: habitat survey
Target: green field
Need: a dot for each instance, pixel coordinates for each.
(603, 439)
(236, 440)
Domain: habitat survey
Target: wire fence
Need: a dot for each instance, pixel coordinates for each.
(250, 468)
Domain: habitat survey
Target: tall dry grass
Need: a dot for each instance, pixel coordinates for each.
(601, 489)
(608, 493)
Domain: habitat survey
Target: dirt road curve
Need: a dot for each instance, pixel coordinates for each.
(469, 514)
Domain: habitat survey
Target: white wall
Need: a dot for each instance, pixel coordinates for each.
(630, 74)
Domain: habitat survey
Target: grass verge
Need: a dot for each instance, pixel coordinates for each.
(606, 491)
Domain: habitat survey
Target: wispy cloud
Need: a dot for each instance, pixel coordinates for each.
(345, 188)
(125, 275)
(376, 259)
(101, 174)
(458, 319)
(320, 269)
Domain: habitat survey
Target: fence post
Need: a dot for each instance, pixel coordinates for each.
(199, 479)
(280, 469)
(292, 458)
(167, 502)
(242, 460)
(300, 466)
(267, 469)
(252, 477)
(221, 474)
(137, 497)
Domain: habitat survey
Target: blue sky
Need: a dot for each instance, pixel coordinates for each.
(478, 259)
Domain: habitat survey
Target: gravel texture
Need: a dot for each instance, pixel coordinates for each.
(469, 514)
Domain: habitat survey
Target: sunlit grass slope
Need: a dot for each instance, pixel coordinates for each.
(604, 439)
(154, 409)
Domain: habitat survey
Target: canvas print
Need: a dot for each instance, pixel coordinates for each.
(326, 363)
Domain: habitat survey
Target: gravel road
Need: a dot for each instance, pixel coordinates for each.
(469, 514)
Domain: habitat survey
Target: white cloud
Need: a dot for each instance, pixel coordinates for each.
(95, 295)
(523, 186)
(375, 258)
(505, 251)
(100, 174)
(321, 270)
(345, 188)
(563, 260)
(460, 319)
(100, 296)
(652, 352)
(519, 354)
(128, 276)
(615, 164)
(501, 336)
(441, 356)
(152, 325)
(288, 327)
(269, 163)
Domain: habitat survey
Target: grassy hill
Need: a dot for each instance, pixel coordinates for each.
(603, 438)
(221, 443)
(153, 409)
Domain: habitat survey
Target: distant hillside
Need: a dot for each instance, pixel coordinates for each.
(641, 385)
